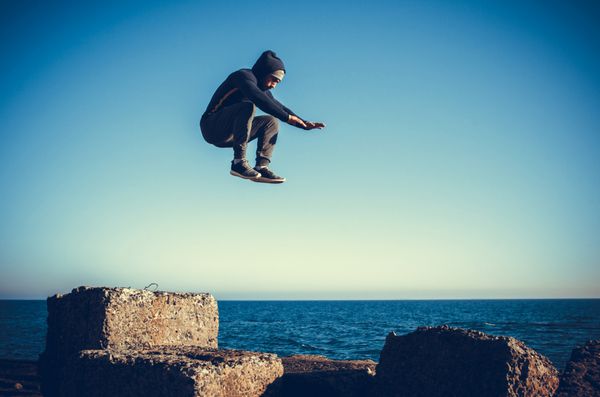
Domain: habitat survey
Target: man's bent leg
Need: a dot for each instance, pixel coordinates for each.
(242, 128)
(266, 129)
(230, 127)
(241, 135)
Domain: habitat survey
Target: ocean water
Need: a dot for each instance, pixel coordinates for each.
(351, 329)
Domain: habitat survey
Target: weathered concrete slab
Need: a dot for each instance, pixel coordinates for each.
(318, 376)
(171, 371)
(581, 377)
(443, 361)
(123, 318)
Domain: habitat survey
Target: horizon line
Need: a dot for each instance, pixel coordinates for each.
(362, 300)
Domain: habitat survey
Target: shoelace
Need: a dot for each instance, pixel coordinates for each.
(267, 172)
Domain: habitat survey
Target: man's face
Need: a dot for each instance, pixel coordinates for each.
(270, 82)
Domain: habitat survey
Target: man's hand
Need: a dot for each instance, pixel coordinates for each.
(311, 125)
(297, 121)
(307, 125)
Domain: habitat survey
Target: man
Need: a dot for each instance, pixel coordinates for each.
(229, 119)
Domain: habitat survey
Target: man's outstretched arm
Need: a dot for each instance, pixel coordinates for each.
(264, 101)
(297, 121)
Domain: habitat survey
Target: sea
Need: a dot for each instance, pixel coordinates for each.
(351, 329)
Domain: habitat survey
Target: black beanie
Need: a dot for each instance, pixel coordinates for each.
(267, 63)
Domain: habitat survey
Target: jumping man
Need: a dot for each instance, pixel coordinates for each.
(229, 119)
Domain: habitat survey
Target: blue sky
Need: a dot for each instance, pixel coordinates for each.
(461, 157)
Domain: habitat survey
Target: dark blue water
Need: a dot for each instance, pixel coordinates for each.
(22, 329)
(352, 329)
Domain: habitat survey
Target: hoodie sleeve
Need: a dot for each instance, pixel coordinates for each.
(265, 102)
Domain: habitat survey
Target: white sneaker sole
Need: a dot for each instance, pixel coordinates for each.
(252, 178)
(267, 180)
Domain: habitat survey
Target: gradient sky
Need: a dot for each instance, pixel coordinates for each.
(461, 157)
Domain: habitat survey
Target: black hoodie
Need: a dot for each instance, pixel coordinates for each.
(243, 85)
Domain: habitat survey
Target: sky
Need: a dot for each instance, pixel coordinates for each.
(461, 157)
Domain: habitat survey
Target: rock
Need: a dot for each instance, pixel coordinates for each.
(310, 375)
(123, 318)
(444, 361)
(170, 371)
(581, 377)
(99, 318)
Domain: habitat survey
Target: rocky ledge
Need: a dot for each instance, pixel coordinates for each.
(170, 372)
(318, 376)
(444, 361)
(121, 342)
(91, 318)
(582, 374)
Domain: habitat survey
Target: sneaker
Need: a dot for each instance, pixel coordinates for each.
(243, 170)
(267, 176)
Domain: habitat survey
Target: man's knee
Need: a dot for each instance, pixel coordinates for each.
(272, 123)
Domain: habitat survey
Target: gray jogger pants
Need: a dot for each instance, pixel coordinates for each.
(234, 126)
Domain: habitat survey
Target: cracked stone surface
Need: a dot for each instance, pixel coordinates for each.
(312, 375)
(123, 318)
(170, 371)
(444, 361)
(581, 377)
